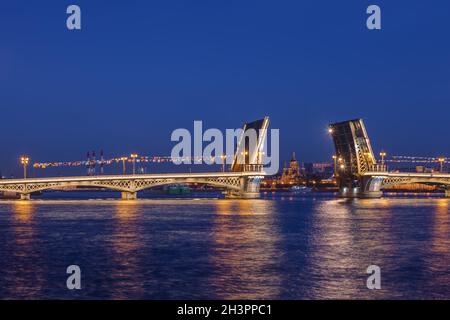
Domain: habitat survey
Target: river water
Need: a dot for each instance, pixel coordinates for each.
(279, 247)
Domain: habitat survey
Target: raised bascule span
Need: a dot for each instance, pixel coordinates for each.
(360, 175)
(242, 181)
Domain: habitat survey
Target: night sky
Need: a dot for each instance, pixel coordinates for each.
(139, 69)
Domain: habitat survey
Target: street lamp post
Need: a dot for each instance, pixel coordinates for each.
(24, 160)
(124, 168)
(441, 161)
(245, 153)
(335, 164)
(133, 157)
(382, 155)
(223, 157)
(260, 159)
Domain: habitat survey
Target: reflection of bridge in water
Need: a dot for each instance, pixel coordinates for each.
(360, 175)
(242, 181)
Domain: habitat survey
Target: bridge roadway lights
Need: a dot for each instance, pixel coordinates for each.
(129, 195)
(25, 196)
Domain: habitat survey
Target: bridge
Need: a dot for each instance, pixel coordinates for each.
(237, 184)
(360, 175)
(242, 181)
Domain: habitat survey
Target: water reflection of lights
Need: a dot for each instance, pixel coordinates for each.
(342, 250)
(224, 207)
(127, 209)
(258, 249)
(438, 262)
(244, 252)
(441, 236)
(126, 249)
(25, 252)
(23, 210)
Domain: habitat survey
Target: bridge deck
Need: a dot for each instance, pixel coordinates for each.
(133, 177)
(407, 174)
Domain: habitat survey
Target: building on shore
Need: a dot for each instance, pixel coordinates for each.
(291, 174)
(314, 175)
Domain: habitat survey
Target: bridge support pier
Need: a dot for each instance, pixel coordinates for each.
(129, 195)
(25, 196)
(249, 189)
(346, 192)
(447, 193)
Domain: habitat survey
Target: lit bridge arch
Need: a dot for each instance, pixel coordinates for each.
(375, 182)
(237, 184)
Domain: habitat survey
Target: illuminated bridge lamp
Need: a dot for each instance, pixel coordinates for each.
(382, 155)
(124, 168)
(24, 160)
(133, 157)
(441, 161)
(223, 157)
(335, 163)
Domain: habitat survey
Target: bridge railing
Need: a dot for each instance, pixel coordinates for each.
(379, 168)
(253, 168)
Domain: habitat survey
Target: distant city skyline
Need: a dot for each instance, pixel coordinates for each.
(137, 71)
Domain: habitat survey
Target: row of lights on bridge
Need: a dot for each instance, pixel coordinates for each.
(24, 160)
(337, 160)
(133, 157)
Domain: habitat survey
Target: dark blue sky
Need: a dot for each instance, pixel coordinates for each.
(139, 69)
